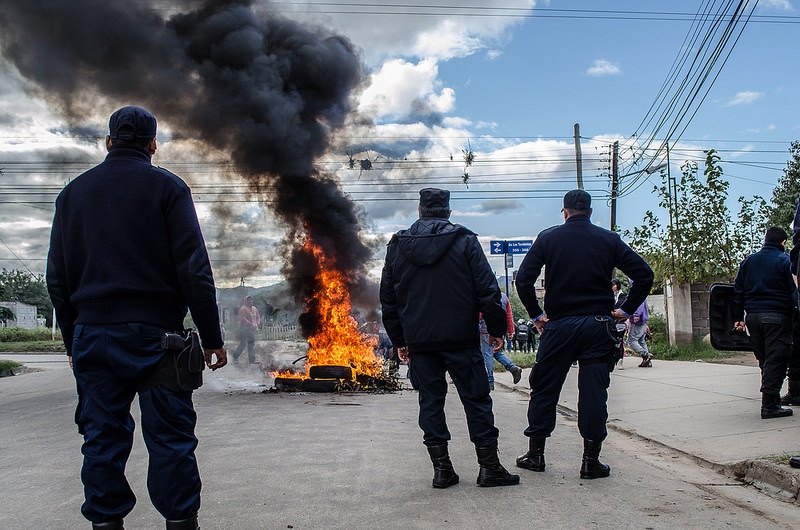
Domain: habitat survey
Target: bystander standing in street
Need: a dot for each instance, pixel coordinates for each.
(249, 320)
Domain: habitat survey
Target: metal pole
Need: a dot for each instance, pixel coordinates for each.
(505, 263)
(673, 206)
(578, 156)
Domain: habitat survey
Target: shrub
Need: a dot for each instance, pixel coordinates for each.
(17, 334)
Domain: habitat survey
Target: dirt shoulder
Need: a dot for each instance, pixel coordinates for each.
(742, 359)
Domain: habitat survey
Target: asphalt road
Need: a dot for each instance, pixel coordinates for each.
(329, 461)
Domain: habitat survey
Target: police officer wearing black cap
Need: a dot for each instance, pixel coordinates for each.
(576, 324)
(127, 259)
(435, 283)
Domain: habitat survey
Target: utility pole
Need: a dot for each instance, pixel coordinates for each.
(672, 191)
(614, 183)
(578, 156)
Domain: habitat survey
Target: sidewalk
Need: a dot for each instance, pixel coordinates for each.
(708, 411)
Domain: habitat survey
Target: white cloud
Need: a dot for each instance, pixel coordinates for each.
(601, 67)
(401, 88)
(744, 98)
(743, 151)
(783, 5)
(448, 29)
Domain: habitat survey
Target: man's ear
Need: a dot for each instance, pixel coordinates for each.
(108, 142)
(152, 147)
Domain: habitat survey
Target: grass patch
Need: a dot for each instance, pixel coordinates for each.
(23, 340)
(523, 360)
(5, 364)
(46, 346)
(17, 334)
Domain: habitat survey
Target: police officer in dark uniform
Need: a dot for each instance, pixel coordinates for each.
(578, 323)
(126, 260)
(435, 283)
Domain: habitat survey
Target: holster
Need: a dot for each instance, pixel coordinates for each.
(181, 367)
(617, 336)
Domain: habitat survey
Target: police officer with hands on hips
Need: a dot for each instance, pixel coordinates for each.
(127, 259)
(435, 283)
(578, 323)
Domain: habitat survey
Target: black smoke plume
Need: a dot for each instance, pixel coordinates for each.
(266, 90)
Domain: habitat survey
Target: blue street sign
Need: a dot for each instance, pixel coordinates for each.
(519, 247)
(497, 247)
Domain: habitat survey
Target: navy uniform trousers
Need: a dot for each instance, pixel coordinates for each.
(771, 339)
(565, 340)
(108, 362)
(468, 371)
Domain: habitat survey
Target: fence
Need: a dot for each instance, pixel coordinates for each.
(285, 332)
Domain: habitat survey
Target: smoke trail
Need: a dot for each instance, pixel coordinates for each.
(266, 90)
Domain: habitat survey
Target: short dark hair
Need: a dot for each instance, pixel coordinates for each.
(138, 143)
(435, 211)
(616, 283)
(775, 234)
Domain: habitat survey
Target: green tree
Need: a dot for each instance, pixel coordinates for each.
(6, 314)
(786, 193)
(702, 243)
(516, 305)
(19, 286)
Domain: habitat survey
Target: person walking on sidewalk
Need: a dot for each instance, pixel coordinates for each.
(127, 259)
(435, 283)
(765, 291)
(622, 327)
(490, 354)
(580, 320)
(637, 335)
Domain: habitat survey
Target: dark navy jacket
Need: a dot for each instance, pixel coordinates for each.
(764, 283)
(435, 283)
(580, 259)
(126, 246)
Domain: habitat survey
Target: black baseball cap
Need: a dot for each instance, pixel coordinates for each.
(131, 123)
(577, 200)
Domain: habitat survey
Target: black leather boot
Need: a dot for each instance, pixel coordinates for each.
(183, 524)
(108, 525)
(591, 467)
(492, 473)
(792, 396)
(443, 473)
(771, 407)
(534, 458)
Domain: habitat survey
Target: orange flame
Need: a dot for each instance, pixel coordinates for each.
(338, 340)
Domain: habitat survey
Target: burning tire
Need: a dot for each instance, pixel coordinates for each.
(320, 385)
(330, 372)
(289, 383)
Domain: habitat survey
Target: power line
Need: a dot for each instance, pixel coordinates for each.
(415, 9)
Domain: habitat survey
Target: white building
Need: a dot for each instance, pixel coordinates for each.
(26, 315)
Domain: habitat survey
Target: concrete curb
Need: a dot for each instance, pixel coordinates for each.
(777, 481)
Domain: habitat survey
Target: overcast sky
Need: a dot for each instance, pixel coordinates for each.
(479, 100)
